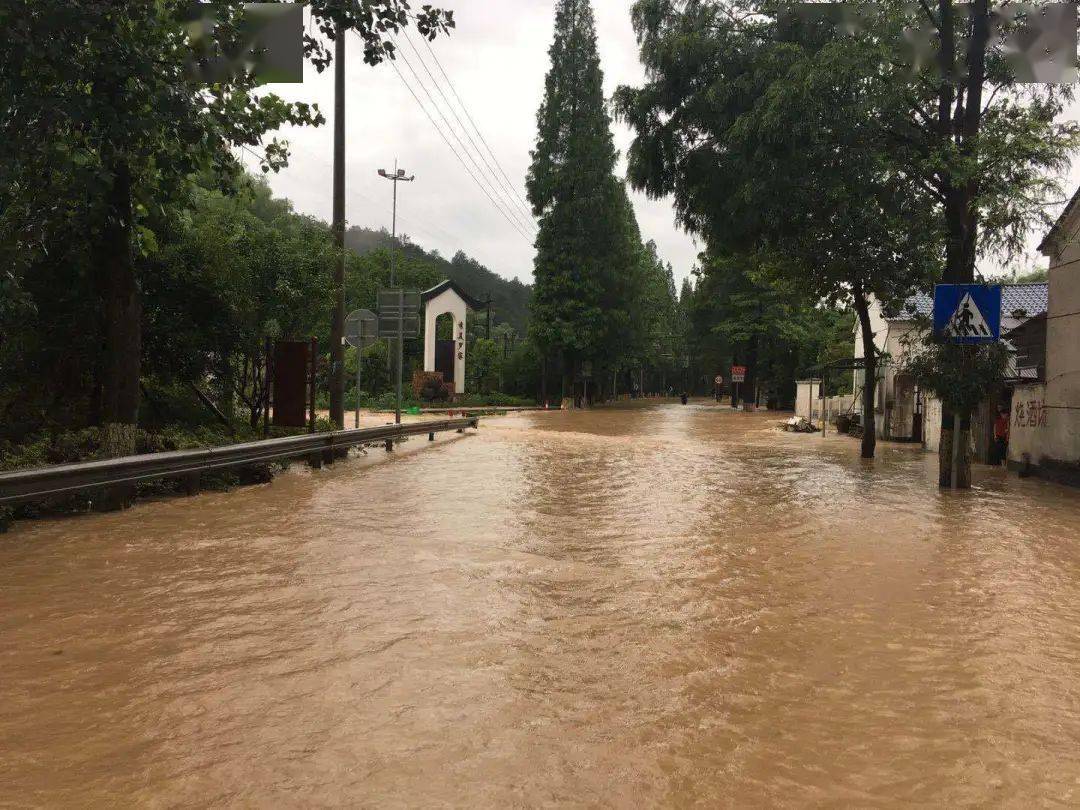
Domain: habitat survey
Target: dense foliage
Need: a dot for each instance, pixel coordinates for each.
(509, 298)
(962, 377)
(813, 148)
(602, 300)
(104, 125)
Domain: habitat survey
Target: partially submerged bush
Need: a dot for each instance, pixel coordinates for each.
(962, 377)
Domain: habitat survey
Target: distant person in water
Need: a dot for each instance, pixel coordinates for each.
(1001, 437)
(685, 397)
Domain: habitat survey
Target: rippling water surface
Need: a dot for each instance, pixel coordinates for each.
(658, 605)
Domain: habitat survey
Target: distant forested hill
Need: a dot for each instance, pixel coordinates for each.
(509, 299)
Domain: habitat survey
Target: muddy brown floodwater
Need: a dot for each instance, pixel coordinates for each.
(645, 606)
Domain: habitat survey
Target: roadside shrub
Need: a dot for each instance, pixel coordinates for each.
(496, 400)
(434, 390)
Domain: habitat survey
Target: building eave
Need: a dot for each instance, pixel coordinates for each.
(1046, 246)
(450, 284)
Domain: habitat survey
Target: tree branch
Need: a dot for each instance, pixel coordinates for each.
(929, 14)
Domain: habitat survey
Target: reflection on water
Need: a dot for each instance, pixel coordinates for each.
(656, 605)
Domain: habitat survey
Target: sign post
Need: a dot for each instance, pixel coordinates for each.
(399, 317)
(360, 332)
(719, 381)
(738, 376)
(966, 315)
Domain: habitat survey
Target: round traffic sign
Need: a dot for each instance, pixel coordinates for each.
(719, 380)
(360, 328)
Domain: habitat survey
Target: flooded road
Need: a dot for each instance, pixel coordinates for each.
(650, 606)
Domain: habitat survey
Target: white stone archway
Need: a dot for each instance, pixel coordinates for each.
(442, 299)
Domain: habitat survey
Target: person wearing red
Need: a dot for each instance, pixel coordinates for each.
(1001, 436)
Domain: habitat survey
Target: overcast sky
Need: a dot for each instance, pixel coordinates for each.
(497, 59)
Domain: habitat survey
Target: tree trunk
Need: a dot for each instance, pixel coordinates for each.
(226, 389)
(945, 453)
(568, 393)
(869, 438)
(961, 195)
(959, 122)
(122, 309)
(976, 68)
(749, 387)
(543, 379)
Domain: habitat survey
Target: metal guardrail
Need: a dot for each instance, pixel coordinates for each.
(28, 485)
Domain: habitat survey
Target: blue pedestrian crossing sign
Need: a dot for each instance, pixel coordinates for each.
(968, 313)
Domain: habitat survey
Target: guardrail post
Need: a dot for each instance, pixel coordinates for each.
(114, 498)
(431, 436)
(389, 445)
(192, 483)
(315, 460)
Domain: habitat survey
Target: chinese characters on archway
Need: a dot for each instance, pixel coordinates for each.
(1032, 413)
(461, 340)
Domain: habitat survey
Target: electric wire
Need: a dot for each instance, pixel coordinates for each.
(461, 160)
(479, 134)
(457, 137)
(502, 182)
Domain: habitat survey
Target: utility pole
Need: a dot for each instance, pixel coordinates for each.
(337, 327)
(398, 176)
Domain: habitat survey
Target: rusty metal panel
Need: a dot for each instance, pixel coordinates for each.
(291, 359)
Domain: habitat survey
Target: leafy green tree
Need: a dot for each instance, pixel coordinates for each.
(111, 125)
(375, 377)
(986, 144)
(649, 343)
(771, 143)
(962, 377)
(749, 312)
(588, 245)
(522, 371)
(482, 370)
(238, 269)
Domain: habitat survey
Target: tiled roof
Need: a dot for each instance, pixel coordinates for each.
(1030, 299)
(450, 284)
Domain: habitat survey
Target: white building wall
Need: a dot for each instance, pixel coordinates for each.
(445, 302)
(808, 399)
(894, 405)
(932, 424)
(1062, 399)
(1028, 424)
(809, 404)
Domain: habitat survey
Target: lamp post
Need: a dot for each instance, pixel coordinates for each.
(397, 176)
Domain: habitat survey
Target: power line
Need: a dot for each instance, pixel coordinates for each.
(510, 209)
(446, 140)
(479, 134)
(502, 184)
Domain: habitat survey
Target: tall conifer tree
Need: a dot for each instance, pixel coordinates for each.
(586, 242)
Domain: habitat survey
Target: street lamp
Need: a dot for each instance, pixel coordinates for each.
(397, 176)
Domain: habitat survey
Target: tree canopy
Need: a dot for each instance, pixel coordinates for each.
(106, 123)
(804, 143)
